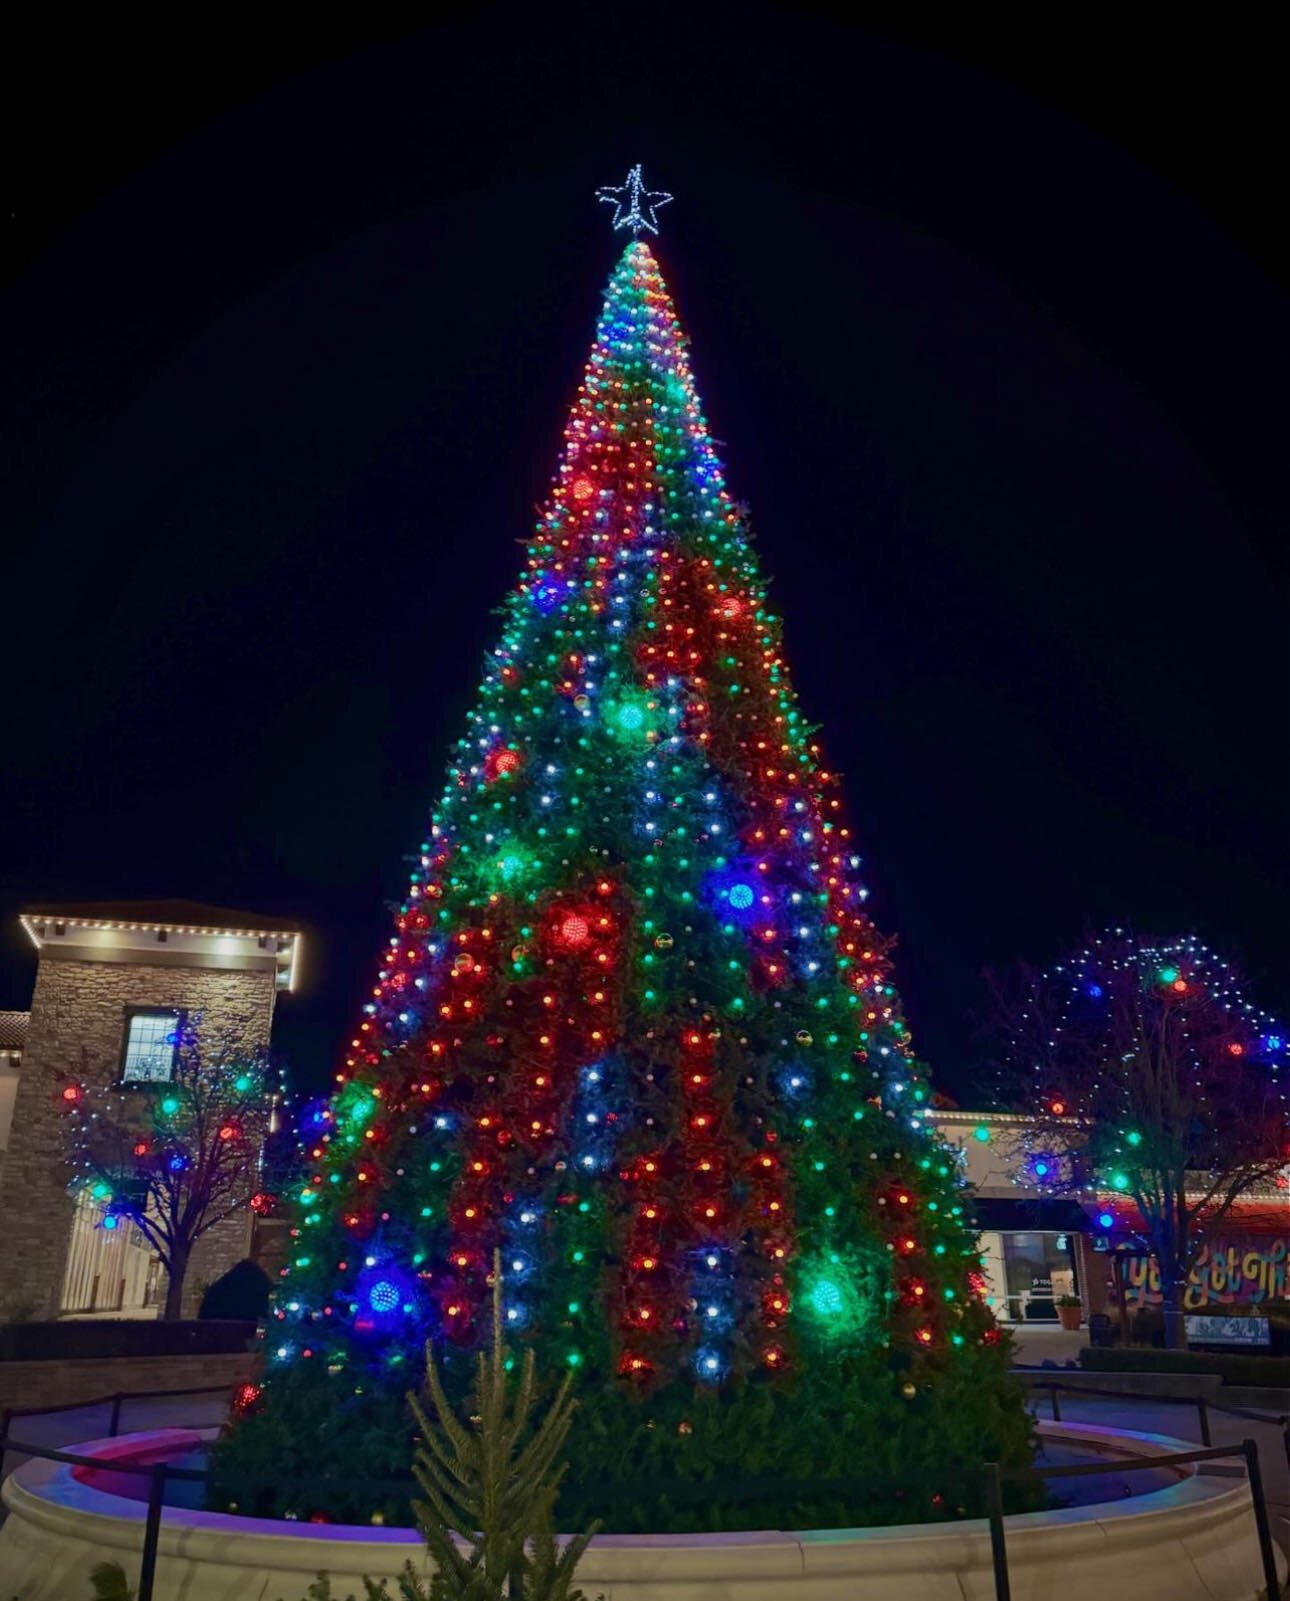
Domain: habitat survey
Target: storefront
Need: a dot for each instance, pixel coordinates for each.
(1033, 1252)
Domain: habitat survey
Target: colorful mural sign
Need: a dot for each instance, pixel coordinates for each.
(1229, 1273)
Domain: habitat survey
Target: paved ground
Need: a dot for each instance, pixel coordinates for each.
(1034, 1344)
(1157, 1415)
(1154, 1415)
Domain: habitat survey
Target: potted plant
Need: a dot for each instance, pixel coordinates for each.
(1070, 1312)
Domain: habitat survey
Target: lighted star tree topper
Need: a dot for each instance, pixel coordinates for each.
(634, 1026)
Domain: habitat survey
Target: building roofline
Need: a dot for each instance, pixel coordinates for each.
(177, 916)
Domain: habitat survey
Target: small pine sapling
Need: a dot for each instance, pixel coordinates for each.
(490, 1484)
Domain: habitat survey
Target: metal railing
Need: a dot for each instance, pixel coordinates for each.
(990, 1475)
(1248, 1449)
(1204, 1406)
(116, 1400)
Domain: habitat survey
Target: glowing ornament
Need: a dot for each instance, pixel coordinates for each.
(501, 763)
(575, 931)
(383, 1296)
(804, 1037)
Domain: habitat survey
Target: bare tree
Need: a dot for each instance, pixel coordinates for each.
(180, 1156)
(1149, 1083)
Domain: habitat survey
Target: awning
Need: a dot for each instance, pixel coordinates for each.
(1039, 1214)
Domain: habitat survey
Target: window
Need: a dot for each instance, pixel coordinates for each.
(151, 1041)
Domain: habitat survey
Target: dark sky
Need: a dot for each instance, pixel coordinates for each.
(993, 330)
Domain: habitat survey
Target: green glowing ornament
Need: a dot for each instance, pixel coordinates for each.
(842, 1292)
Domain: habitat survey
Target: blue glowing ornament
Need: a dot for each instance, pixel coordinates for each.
(794, 1082)
(315, 1116)
(708, 1364)
(383, 1296)
(732, 892)
(546, 597)
(1105, 1220)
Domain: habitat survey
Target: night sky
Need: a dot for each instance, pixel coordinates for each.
(995, 345)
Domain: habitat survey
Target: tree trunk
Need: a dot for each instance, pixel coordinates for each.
(1172, 1291)
(1121, 1295)
(171, 1312)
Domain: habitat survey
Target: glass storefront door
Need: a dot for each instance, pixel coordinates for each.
(1037, 1269)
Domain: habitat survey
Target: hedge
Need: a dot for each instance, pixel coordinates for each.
(1271, 1372)
(70, 1340)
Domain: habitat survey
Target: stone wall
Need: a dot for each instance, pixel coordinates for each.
(78, 1015)
(56, 1383)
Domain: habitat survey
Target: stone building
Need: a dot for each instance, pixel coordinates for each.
(113, 980)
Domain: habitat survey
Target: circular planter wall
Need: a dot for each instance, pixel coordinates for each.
(1194, 1541)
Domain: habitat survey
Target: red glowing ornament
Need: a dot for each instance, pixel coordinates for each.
(583, 488)
(575, 931)
(228, 1131)
(1057, 1108)
(244, 1398)
(141, 1148)
(501, 763)
(71, 1093)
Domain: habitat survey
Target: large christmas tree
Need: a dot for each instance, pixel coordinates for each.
(635, 1029)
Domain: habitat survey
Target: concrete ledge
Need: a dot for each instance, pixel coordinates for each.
(59, 1383)
(1193, 1541)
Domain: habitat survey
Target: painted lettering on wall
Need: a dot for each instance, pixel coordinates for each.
(1229, 1273)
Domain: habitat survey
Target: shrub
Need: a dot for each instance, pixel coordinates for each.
(242, 1294)
(1272, 1372)
(75, 1340)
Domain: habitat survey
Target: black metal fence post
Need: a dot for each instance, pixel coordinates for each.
(6, 1423)
(1057, 1405)
(152, 1531)
(1202, 1412)
(998, 1546)
(1267, 1550)
(114, 1427)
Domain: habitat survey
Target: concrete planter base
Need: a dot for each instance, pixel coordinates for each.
(1194, 1541)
